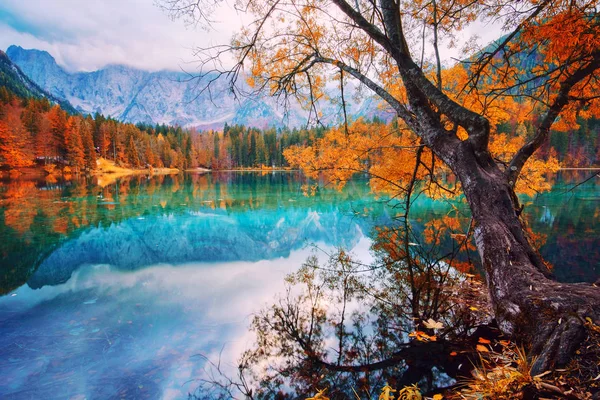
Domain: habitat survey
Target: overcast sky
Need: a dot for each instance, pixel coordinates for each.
(89, 34)
(85, 35)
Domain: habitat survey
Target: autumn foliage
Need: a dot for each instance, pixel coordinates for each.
(388, 153)
(34, 131)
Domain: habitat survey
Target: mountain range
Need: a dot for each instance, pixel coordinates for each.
(20, 84)
(173, 98)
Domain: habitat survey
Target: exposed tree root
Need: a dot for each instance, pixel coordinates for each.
(560, 316)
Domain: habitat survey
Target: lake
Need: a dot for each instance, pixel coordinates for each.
(116, 291)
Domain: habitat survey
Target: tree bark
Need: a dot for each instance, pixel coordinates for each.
(549, 315)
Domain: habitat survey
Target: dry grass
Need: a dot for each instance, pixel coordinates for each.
(107, 172)
(499, 375)
(506, 374)
(105, 166)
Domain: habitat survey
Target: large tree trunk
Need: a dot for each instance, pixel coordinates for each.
(549, 315)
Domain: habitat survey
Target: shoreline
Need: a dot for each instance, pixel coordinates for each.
(107, 172)
(104, 179)
(206, 170)
(145, 171)
(198, 170)
(254, 170)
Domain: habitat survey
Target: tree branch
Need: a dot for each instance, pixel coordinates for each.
(400, 109)
(543, 129)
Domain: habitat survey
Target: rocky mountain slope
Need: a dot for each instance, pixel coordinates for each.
(168, 97)
(17, 82)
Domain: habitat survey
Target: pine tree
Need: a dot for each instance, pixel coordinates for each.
(30, 117)
(149, 155)
(58, 124)
(15, 146)
(6, 95)
(43, 142)
(88, 144)
(131, 153)
(75, 153)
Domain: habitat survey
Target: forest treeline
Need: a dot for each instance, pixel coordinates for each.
(35, 132)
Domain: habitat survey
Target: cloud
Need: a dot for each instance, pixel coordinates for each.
(87, 35)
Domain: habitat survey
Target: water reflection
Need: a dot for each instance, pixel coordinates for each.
(112, 291)
(144, 221)
(568, 220)
(106, 321)
(108, 334)
(352, 327)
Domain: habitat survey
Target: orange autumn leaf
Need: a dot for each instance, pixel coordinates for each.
(481, 349)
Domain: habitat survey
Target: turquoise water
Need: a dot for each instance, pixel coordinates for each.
(114, 292)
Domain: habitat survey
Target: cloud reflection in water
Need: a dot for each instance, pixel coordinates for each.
(107, 333)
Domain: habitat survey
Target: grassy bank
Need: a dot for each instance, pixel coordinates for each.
(107, 172)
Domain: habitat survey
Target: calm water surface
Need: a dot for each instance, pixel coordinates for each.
(113, 292)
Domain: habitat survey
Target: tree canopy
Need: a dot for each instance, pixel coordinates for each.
(543, 70)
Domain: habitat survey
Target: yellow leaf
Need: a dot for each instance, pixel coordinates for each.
(386, 393)
(437, 397)
(410, 393)
(319, 396)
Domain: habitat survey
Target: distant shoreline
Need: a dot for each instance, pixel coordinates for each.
(204, 170)
(256, 170)
(201, 170)
(107, 172)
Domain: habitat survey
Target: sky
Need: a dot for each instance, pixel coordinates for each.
(86, 35)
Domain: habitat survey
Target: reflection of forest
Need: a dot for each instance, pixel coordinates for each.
(38, 217)
(566, 223)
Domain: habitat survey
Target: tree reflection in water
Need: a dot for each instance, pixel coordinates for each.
(351, 328)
